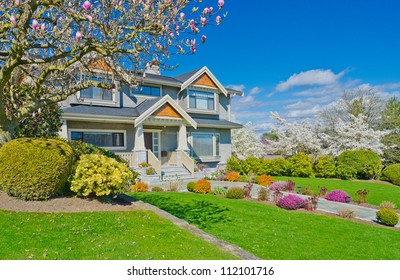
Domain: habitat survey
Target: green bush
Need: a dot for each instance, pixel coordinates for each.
(157, 189)
(235, 193)
(234, 164)
(150, 171)
(387, 216)
(360, 164)
(251, 165)
(98, 175)
(325, 167)
(301, 165)
(35, 169)
(190, 186)
(392, 173)
(275, 167)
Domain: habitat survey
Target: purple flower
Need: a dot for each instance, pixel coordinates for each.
(203, 39)
(338, 196)
(291, 202)
(78, 36)
(13, 20)
(35, 24)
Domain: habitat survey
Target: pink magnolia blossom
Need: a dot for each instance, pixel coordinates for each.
(203, 21)
(193, 49)
(218, 19)
(87, 5)
(191, 22)
(193, 42)
(17, 2)
(182, 16)
(211, 9)
(35, 24)
(206, 11)
(42, 27)
(203, 39)
(13, 20)
(89, 17)
(78, 36)
(221, 3)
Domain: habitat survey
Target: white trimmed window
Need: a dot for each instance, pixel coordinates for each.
(112, 140)
(205, 145)
(201, 100)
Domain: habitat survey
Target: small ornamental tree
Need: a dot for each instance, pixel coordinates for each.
(52, 45)
(246, 143)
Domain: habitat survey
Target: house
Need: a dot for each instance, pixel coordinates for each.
(164, 121)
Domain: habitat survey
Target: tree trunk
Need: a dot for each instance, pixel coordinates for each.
(5, 123)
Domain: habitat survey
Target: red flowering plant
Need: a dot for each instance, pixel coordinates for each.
(292, 202)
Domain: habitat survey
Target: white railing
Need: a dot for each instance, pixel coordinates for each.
(187, 162)
(153, 160)
(130, 157)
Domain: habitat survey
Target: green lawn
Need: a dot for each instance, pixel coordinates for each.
(99, 235)
(378, 192)
(273, 233)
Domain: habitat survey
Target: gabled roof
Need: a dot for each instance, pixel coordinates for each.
(158, 103)
(185, 76)
(101, 111)
(191, 77)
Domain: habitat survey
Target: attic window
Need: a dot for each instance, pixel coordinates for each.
(147, 90)
(201, 100)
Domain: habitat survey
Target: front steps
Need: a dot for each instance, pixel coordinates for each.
(168, 173)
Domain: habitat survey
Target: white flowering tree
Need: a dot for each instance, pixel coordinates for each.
(294, 138)
(246, 143)
(46, 43)
(355, 134)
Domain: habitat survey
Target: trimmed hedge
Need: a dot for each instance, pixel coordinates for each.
(325, 167)
(35, 169)
(392, 173)
(360, 164)
(387, 216)
(301, 165)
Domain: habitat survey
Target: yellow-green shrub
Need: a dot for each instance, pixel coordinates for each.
(140, 187)
(98, 175)
(35, 169)
(202, 186)
(325, 167)
(392, 173)
(301, 165)
(360, 164)
(232, 176)
(387, 216)
(235, 193)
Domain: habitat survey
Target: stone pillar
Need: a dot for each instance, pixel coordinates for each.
(63, 133)
(139, 147)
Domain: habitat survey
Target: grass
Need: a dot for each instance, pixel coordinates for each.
(378, 192)
(273, 233)
(99, 236)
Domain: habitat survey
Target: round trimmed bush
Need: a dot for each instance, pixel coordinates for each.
(265, 180)
(387, 216)
(140, 187)
(157, 189)
(392, 173)
(35, 169)
(232, 176)
(98, 175)
(190, 186)
(291, 202)
(360, 164)
(338, 196)
(202, 186)
(325, 167)
(235, 193)
(301, 165)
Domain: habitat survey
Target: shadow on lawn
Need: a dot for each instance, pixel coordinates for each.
(201, 213)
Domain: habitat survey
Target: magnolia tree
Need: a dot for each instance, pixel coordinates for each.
(294, 138)
(246, 143)
(51, 45)
(355, 134)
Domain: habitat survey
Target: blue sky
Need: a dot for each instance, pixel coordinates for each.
(295, 57)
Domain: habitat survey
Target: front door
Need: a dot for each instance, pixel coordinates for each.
(151, 142)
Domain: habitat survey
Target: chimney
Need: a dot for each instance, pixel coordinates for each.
(152, 69)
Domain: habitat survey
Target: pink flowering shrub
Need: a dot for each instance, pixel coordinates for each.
(282, 186)
(292, 202)
(337, 195)
(279, 185)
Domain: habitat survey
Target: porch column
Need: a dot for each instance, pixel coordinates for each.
(63, 133)
(139, 146)
(182, 143)
(182, 139)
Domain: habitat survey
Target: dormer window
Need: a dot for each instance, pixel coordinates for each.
(97, 93)
(201, 100)
(147, 90)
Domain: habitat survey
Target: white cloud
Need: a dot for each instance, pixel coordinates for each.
(309, 78)
(236, 87)
(255, 90)
(312, 112)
